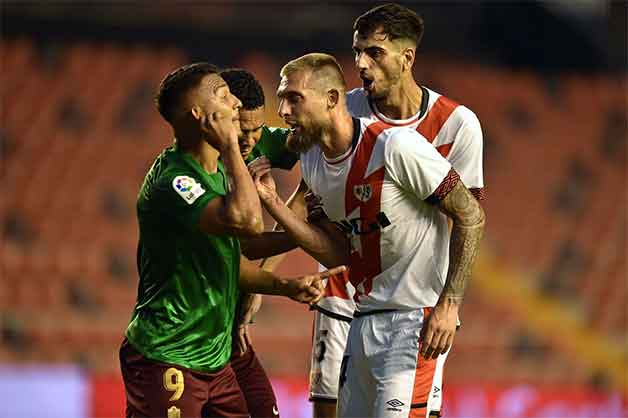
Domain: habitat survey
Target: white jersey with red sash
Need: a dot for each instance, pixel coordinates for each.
(400, 242)
(452, 129)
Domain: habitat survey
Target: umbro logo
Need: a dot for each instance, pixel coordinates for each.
(394, 405)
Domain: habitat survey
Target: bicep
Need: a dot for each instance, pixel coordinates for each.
(467, 154)
(461, 206)
(215, 221)
(415, 165)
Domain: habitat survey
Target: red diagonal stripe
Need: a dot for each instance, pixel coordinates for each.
(436, 118)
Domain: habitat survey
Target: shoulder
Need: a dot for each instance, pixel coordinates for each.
(356, 94)
(275, 132)
(357, 102)
(406, 144)
(465, 116)
(456, 114)
(400, 138)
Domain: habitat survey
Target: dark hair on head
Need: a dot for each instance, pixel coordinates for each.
(245, 87)
(398, 22)
(177, 84)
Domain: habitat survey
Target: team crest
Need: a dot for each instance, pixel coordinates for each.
(363, 192)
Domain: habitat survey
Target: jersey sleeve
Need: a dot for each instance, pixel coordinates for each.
(274, 147)
(466, 154)
(415, 165)
(183, 198)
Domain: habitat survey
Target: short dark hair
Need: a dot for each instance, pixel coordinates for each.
(245, 87)
(398, 22)
(177, 84)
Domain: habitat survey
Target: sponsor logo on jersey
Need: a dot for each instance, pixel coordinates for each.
(187, 188)
(363, 192)
(362, 226)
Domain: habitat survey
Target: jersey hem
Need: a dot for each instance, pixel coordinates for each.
(181, 365)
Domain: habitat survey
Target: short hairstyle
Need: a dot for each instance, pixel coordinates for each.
(245, 87)
(322, 66)
(179, 82)
(397, 21)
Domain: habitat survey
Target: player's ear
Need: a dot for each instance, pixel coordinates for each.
(196, 113)
(333, 97)
(408, 55)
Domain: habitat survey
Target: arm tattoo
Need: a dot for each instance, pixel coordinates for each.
(468, 229)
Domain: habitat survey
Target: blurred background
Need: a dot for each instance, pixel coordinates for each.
(545, 319)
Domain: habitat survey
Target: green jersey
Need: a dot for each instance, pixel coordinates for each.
(188, 285)
(272, 144)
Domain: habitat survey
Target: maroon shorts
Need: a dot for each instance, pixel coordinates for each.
(155, 389)
(255, 385)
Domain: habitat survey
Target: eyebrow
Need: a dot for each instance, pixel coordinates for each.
(218, 87)
(254, 129)
(369, 48)
(288, 93)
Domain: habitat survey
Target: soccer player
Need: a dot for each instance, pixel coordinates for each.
(196, 199)
(255, 139)
(384, 191)
(385, 42)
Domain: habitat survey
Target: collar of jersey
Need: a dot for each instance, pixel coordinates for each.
(425, 98)
(357, 130)
(220, 168)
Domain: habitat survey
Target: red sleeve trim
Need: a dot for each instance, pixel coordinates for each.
(478, 193)
(446, 186)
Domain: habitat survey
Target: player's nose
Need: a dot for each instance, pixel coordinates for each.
(237, 104)
(361, 61)
(283, 110)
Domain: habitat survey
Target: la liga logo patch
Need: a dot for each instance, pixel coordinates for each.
(187, 188)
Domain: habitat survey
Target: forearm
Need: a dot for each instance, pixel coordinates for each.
(242, 206)
(267, 245)
(328, 249)
(256, 280)
(464, 247)
(296, 203)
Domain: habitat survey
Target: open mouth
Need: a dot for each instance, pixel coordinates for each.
(367, 83)
(293, 127)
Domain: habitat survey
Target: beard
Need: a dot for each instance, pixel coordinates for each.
(303, 141)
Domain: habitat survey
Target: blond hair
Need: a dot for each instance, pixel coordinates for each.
(325, 74)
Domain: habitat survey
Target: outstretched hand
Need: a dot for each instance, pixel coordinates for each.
(310, 288)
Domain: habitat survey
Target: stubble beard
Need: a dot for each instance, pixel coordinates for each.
(302, 142)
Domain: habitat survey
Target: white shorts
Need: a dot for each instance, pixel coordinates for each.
(328, 346)
(380, 374)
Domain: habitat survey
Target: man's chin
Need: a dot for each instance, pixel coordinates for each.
(298, 143)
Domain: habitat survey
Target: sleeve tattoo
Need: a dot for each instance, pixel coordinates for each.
(467, 232)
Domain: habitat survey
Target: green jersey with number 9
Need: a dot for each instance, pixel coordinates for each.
(188, 286)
